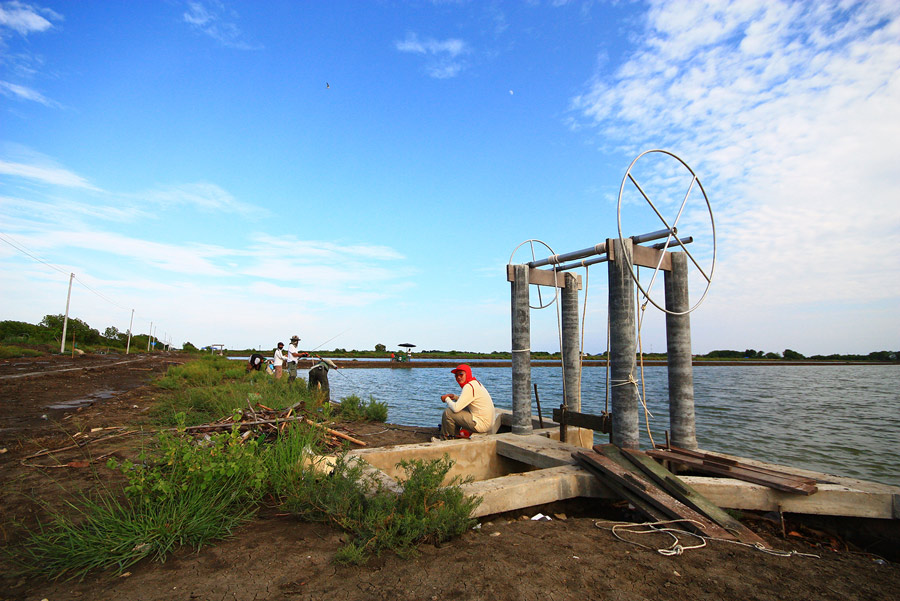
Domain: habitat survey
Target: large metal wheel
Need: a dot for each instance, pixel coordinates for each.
(531, 242)
(673, 173)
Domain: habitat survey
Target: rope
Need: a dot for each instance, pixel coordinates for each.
(676, 548)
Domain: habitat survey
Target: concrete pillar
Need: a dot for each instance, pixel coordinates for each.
(571, 347)
(678, 347)
(623, 394)
(521, 352)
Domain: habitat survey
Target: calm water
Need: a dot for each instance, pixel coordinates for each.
(843, 420)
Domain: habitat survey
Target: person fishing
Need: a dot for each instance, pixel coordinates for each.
(471, 410)
(318, 376)
(294, 355)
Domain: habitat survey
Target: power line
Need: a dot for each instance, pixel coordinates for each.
(18, 246)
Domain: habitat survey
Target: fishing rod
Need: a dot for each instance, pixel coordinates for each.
(329, 340)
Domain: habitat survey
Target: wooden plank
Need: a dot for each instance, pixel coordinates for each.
(642, 487)
(646, 509)
(733, 469)
(649, 257)
(600, 423)
(690, 497)
(543, 277)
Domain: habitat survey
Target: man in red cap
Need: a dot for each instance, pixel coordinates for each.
(472, 410)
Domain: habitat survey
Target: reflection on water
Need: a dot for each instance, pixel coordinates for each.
(841, 419)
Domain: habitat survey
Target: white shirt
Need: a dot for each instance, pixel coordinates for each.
(279, 357)
(293, 353)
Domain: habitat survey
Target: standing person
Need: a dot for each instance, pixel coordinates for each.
(294, 355)
(318, 376)
(473, 409)
(279, 360)
(255, 362)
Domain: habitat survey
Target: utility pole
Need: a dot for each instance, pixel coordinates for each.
(149, 338)
(62, 343)
(130, 325)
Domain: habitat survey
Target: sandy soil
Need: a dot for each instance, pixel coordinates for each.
(572, 557)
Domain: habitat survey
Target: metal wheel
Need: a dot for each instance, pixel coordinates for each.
(531, 242)
(706, 272)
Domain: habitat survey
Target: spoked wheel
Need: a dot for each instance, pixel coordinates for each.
(674, 175)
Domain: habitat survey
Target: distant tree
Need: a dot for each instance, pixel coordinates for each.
(792, 355)
(380, 348)
(187, 346)
(111, 333)
(771, 356)
(82, 332)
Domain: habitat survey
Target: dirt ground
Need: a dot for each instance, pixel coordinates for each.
(49, 403)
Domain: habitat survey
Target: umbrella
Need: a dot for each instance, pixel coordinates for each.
(407, 345)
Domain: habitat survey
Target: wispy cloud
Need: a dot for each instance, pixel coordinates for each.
(444, 57)
(214, 19)
(46, 174)
(19, 92)
(787, 110)
(199, 195)
(24, 18)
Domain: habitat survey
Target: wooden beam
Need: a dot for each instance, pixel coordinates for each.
(600, 423)
(543, 277)
(690, 497)
(641, 486)
(536, 451)
(704, 463)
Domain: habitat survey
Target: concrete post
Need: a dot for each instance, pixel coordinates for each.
(571, 348)
(521, 352)
(678, 348)
(623, 393)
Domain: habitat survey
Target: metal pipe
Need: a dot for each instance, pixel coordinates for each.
(597, 249)
(583, 263)
(641, 238)
(682, 242)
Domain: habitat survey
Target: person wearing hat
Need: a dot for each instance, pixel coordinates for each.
(279, 359)
(294, 355)
(472, 410)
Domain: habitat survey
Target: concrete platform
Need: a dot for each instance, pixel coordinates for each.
(511, 471)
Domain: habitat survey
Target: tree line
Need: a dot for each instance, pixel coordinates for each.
(49, 331)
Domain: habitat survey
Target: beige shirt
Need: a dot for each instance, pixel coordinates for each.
(476, 399)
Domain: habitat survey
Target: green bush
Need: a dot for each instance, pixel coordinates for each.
(426, 511)
(352, 408)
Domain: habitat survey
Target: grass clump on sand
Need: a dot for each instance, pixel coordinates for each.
(426, 511)
(180, 494)
(352, 408)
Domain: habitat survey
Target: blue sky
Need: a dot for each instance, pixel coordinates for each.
(361, 172)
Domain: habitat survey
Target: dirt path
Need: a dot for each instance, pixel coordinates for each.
(573, 557)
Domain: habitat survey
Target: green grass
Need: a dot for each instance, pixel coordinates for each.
(9, 351)
(181, 492)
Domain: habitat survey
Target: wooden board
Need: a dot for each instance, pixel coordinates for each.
(649, 492)
(690, 497)
(721, 466)
(600, 423)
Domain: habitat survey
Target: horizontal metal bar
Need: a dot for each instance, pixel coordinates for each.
(662, 245)
(641, 238)
(597, 249)
(583, 263)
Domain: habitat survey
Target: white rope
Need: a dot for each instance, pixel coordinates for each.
(676, 548)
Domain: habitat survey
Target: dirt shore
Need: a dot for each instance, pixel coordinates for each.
(574, 556)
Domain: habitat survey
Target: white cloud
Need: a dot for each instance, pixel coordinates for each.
(46, 174)
(202, 195)
(26, 18)
(214, 19)
(12, 90)
(443, 56)
(788, 112)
